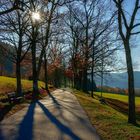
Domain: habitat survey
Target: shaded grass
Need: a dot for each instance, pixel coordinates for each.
(109, 123)
(123, 98)
(7, 109)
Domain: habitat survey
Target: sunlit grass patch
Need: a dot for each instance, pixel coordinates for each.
(123, 98)
(8, 84)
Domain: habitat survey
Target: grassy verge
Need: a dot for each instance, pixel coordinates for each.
(109, 123)
(123, 98)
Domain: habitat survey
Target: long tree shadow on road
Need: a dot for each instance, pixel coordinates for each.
(26, 126)
(1, 135)
(54, 100)
(63, 128)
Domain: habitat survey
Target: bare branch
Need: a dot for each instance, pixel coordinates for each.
(135, 33)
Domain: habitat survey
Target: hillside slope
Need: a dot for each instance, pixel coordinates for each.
(118, 80)
(8, 84)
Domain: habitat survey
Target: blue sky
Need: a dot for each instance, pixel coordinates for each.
(135, 57)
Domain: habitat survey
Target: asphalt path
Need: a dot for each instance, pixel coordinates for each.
(59, 116)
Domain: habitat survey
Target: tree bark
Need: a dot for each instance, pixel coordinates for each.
(92, 71)
(92, 80)
(18, 64)
(18, 78)
(46, 72)
(34, 67)
(84, 83)
(131, 87)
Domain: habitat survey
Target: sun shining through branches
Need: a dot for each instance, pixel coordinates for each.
(35, 16)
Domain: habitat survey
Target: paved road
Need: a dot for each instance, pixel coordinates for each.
(57, 117)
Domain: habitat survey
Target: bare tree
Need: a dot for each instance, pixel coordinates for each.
(127, 28)
(89, 29)
(9, 6)
(49, 15)
(50, 28)
(15, 26)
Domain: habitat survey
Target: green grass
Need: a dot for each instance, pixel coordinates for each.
(8, 84)
(123, 98)
(109, 123)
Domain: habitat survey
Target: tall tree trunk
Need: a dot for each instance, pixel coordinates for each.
(102, 73)
(18, 78)
(18, 66)
(92, 80)
(1, 69)
(46, 72)
(131, 87)
(75, 81)
(84, 82)
(34, 71)
(102, 78)
(85, 89)
(92, 73)
(65, 82)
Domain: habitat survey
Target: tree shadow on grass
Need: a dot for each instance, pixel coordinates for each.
(5, 111)
(26, 126)
(63, 128)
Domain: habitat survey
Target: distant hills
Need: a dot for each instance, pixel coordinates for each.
(118, 80)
